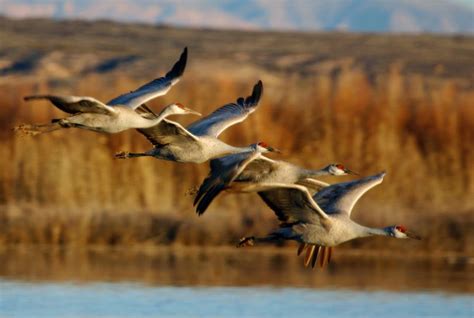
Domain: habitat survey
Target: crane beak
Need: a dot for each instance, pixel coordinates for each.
(271, 149)
(190, 111)
(412, 235)
(348, 171)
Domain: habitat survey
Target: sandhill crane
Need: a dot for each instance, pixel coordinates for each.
(322, 220)
(121, 113)
(198, 142)
(252, 171)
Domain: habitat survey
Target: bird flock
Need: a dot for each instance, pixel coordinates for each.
(313, 213)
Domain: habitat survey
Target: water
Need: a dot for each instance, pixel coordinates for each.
(214, 282)
(138, 300)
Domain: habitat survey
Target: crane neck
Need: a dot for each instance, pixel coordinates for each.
(364, 231)
(309, 173)
(233, 150)
(223, 149)
(166, 112)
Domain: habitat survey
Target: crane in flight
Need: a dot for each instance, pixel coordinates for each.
(251, 171)
(199, 141)
(323, 220)
(123, 112)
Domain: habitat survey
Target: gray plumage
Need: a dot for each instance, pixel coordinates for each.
(121, 113)
(222, 118)
(157, 87)
(198, 142)
(253, 172)
(304, 223)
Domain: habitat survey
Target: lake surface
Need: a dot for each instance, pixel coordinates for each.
(223, 282)
(137, 300)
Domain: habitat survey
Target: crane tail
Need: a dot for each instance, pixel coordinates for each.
(315, 256)
(322, 258)
(309, 254)
(301, 248)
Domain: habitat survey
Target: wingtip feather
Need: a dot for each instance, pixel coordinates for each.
(207, 199)
(178, 68)
(253, 99)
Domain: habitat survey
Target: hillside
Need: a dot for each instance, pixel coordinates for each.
(63, 50)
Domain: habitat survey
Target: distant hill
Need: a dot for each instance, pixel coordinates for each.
(441, 16)
(46, 48)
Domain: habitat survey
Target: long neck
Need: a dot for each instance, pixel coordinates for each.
(220, 149)
(228, 149)
(364, 231)
(166, 112)
(163, 114)
(308, 173)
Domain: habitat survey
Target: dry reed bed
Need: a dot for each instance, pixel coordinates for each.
(65, 187)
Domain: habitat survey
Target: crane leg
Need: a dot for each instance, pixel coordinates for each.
(33, 130)
(251, 240)
(246, 241)
(126, 154)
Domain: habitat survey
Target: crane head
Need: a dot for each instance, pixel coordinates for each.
(264, 147)
(400, 231)
(180, 109)
(336, 169)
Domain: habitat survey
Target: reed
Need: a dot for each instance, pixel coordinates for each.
(66, 187)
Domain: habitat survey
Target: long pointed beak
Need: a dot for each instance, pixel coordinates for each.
(348, 171)
(190, 111)
(274, 150)
(412, 235)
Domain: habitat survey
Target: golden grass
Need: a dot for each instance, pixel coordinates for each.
(66, 187)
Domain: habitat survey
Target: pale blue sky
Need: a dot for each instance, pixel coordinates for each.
(468, 2)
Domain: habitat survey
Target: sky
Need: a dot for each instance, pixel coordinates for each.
(439, 16)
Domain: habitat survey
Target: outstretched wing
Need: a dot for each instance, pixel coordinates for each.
(144, 111)
(292, 203)
(341, 197)
(223, 172)
(166, 132)
(75, 104)
(215, 123)
(313, 185)
(157, 87)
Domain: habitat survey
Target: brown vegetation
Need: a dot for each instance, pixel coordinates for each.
(66, 187)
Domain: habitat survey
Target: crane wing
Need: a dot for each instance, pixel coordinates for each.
(341, 197)
(224, 171)
(292, 203)
(75, 104)
(157, 87)
(144, 111)
(287, 202)
(224, 117)
(166, 132)
(313, 185)
(256, 169)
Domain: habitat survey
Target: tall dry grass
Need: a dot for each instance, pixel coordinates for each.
(66, 187)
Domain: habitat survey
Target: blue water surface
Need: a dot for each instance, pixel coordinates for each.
(68, 300)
